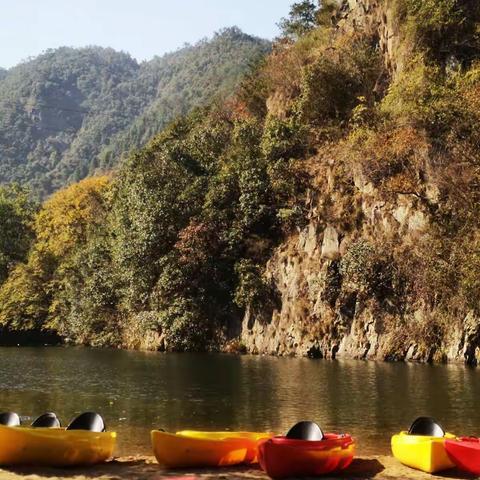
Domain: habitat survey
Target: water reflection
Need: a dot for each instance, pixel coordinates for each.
(138, 391)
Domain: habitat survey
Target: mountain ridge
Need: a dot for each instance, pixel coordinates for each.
(63, 113)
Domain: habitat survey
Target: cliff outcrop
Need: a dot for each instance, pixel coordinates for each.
(382, 215)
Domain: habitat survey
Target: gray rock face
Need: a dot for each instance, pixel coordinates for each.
(330, 244)
(318, 317)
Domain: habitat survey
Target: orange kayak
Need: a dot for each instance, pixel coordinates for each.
(189, 449)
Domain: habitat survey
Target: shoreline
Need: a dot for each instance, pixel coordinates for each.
(388, 361)
(146, 468)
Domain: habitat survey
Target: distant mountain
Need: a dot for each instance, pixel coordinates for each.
(71, 112)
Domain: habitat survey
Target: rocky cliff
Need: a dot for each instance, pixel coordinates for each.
(377, 17)
(320, 317)
(338, 296)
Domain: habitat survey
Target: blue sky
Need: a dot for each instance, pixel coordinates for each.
(143, 28)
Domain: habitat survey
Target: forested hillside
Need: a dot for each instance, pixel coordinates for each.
(329, 208)
(72, 112)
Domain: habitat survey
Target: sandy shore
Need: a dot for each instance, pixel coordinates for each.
(145, 468)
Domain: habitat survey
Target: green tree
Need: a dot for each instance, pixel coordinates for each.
(301, 19)
(16, 232)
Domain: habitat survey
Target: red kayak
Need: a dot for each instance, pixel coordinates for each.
(465, 453)
(286, 457)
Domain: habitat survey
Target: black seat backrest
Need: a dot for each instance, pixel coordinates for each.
(47, 420)
(305, 431)
(426, 426)
(88, 421)
(10, 419)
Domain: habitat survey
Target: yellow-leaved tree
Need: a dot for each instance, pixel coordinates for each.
(29, 296)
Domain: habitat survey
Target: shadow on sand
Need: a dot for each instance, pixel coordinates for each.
(145, 468)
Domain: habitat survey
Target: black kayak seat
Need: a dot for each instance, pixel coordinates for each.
(10, 419)
(426, 426)
(305, 431)
(47, 420)
(88, 421)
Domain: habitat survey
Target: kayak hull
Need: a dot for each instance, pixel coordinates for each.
(282, 457)
(191, 449)
(465, 453)
(54, 447)
(422, 452)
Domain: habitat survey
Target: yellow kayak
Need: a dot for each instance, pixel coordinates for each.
(54, 447)
(426, 453)
(187, 449)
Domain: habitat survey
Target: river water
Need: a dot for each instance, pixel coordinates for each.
(137, 391)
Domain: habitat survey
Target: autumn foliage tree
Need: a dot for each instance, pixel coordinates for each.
(29, 297)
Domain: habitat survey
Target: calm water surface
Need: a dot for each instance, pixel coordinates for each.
(139, 391)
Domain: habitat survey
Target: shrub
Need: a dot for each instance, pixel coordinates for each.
(251, 290)
(142, 331)
(184, 326)
(283, 144)
(422, 96)
(391, 158)
(291, 218)
(434, 16)
(16, 233)
(444, 27)
(337, 81)
(24, 301)
(366, 270)
(283, 139)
